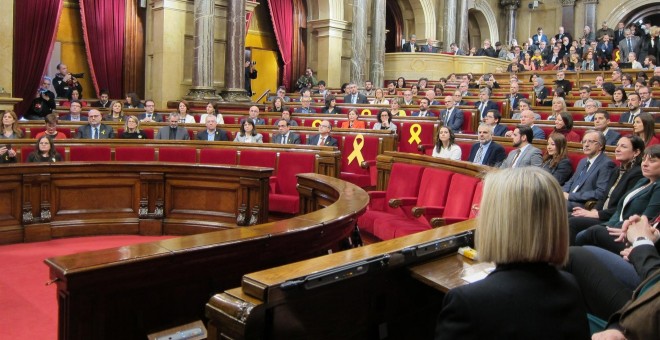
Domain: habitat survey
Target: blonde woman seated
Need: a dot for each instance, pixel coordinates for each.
(526, 236)
(445, 146)
(44, 152)
(213, 111)
(132, 129)
(395, 108)
(248, 133)
(384, 121)
(353, 122)
(379, 98)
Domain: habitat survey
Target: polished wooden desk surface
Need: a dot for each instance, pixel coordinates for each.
(448, 272)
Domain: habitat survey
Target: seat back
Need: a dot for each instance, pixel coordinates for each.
(404, 182)
(266, 159)
(367, 146)
(90, 154)
(413, 134)
(184, 155)
(217, 156)
(462, 191)
(291, 164)
(134, 154)
(476, 199)
(434, 187)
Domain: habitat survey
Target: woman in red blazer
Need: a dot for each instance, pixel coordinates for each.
(353, 122)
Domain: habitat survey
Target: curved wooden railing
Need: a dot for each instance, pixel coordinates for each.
(132, 291)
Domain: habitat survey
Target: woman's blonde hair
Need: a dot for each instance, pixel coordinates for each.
(523, 218)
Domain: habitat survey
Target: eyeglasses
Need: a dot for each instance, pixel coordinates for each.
(325, 126)
(589, 141)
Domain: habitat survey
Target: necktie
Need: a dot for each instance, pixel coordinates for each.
(448, 115)
(284, 139)
(515, 158)
(480, 154)
(481, 109)
(582, 174)
(631, 119)
(629, 45)
(354, 99)
(412, 48)
(322, 140)
(96, 133)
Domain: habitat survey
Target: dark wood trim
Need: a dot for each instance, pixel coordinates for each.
(134, 48)
(394, 13)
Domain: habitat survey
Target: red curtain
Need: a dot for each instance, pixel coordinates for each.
(281, 13)
(103, 30)
(35, 28)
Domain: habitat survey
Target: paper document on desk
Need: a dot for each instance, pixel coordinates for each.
(478, 272)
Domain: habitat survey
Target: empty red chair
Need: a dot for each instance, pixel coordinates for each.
(135, 154)
(403, 182)
(217, 156)
(351, 169)
(182, 155)
(413, 134)
(90, 154)
(283, 195)
(266, 159)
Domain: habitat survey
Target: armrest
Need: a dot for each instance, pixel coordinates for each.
(367, 164)
(272, 184)
(376, 194)
(377, 200)
(443, 221)
(397, 202)
(429, 211)
(423, 147)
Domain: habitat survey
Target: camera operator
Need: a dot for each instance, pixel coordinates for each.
(43, 104)
(250, 73)
(65, 81)
(307, 80)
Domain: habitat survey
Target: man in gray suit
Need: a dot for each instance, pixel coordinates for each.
(525, 154)
(95, 130)
(173, 131)
(285, 136)
(590, 181)
(631, 43)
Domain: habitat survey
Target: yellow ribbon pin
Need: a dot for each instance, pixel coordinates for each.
(415, 131)
(357, 150)
(316, 123)
(365, 112)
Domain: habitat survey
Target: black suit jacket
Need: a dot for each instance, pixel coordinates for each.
(562, 172)
(85, 131)
(220, 135)
(156, 117)
(499, 130)
(645, 202)
(592, 185)
(493, 157)
(516, 101)
(626, 183)
(361, 99)
(490, 105)
(408, 47)
(516, 301)
(294, 138)
(314, 140)
(612, 137)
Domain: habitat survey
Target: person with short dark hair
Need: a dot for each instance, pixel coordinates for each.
(212, 133)
(492, 119)
(64, 81)
(285, 135)
(602, 124)
(104, 99)
(51, 128)
(250, 73)
(525, 153)
(384, 121)
(173, 131)
(331, 105)
(248, 133)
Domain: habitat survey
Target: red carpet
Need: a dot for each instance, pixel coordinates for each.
(28, 308)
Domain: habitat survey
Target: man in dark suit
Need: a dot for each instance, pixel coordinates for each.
(630, 43)
(514, 97)
(486, 152)
(323, 138)
(74, 113)
(253, 113)
(619, 33)
(485, 104)
(354, 97)
(455, 50)
(634, 102)
(212, 133)
(411, 45)
(591, 178)
(423, 109)
(559, 36)
(539, 36)
(430, 95)
(149, 116)
(452, 117)
(647, 97)
(305, 107)
(487, 50)
(563, 83)
(104, 100)
(554, 56)
(601, 123)
(428, 47)
(285, 136)
(525, 153)
(492, 119)
(95, 130)
(173, 131)
(605, 48)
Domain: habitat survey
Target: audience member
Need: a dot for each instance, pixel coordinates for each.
(555, 159)
(445, 146)
(248, 133)
(44, 151)
(64, 81)
(353, 121)
(51, 128)
(285, 136)
(173, 131)
(486, 151)
(250, 73)
(452, 116)
(95, 129)
(558, 106)
(619, 98)
(514, 97)
(116, 112)
(590, 109)
(322, 90)
(564, 127)
(10, 129)
(634, 102)
(286, 115)
(133, 101)
(492, 119)
(525, 154)
(149, 116)
(384, 121)
(395, 108)
(423, 109)
(646, 97)
(585, 94)
(74, 113)
(104, 99)
(306, 80)
(563, 83)
(602, 124)
(323, 138)
(368, 90)
(212, 133)
(485, 104)
(331, 105)
(253, 114)
(74, 95)
(411, 45)
(43, 104)
(644, 127)
(305, 107)
(132, 129)
(354, 97)
(281, 93)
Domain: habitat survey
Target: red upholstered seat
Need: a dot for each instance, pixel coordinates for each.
(352, 171)
(185, 155)
(468, 118)
(404, 182)
(266, 159)
(283, 195)
(408, 130)
(134, 154)
(90, 154)
(37, 130)
(27, 150)
(433, 191)
(217, 156)
(465, 150)
(575, 158)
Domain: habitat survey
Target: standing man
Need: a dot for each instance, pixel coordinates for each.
(591, 178)
(630, 43)
(250, 73)
(619, 34)
(486, 152)
(173, 131)
(149, 116)
(452, 117)
(603, 31)
(536, 39)
(285, 136)
(411, 45)
(212, 133)
(323, 138)
(64, 81)
(94, 129)
(525, 154)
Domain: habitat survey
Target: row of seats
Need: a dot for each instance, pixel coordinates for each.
(417, 199)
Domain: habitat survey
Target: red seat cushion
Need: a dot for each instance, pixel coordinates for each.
(285, 198)
(134, 154)
(217, 156)
(185, 155)
(90, 154)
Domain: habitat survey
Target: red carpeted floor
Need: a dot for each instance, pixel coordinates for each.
(28, 308)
